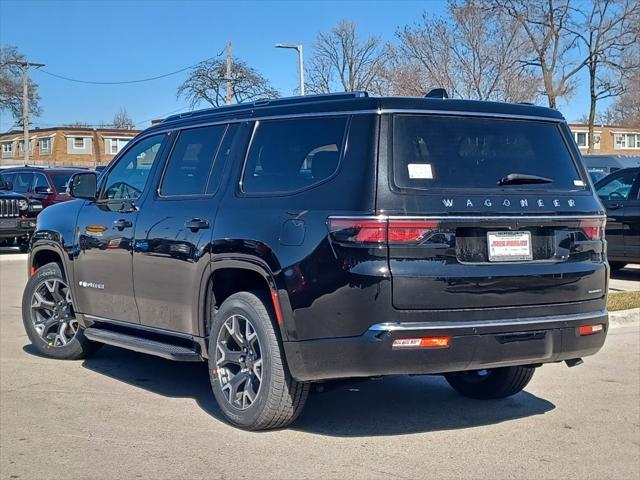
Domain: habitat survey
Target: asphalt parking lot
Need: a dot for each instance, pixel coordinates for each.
(124, 415)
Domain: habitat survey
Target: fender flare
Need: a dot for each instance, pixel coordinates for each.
(279, 297)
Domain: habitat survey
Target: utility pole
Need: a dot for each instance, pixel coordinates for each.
(229, 82)
(25, 102)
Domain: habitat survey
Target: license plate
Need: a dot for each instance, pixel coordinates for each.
(509, 246)
(8, 223)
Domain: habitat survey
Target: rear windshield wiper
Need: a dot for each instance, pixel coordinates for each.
(522, 179)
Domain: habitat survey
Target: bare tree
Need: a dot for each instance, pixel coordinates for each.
(344, 62)
(122, 119)
(545, 23)
(473, 52)
(207, 82)
(626, 109)
(606, 31)
(11, 85)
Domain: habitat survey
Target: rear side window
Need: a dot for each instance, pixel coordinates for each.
(290, 155)
(188, 168)
(475, 153)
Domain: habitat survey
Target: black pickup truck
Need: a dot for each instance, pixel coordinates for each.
(17, 217)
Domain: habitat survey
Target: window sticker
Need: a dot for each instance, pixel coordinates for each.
(578, 183)
(420, 171)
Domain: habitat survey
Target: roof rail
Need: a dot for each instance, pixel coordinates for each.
(322, 97)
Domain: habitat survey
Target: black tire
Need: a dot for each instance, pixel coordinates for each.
(279, 398)
(78, 346)
(615, 266)
(491, 384)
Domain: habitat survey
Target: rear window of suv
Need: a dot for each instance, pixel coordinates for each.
(444, 152)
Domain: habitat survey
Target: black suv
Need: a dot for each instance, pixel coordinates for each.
(305, 239)
(620, 194)
(17, 217)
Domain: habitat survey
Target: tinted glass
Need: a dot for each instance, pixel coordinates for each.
(221, 158)
(130, 174)
(188, 169)
(289, 155)
(22, 182)
(60, 181)
(40, 180)
(8, 179)
(458, 152)
(618, 187)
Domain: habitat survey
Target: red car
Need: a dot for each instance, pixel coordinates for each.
(47, 185)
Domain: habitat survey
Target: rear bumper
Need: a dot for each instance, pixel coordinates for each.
(474, 345)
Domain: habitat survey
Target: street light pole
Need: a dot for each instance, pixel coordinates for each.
(298, 48)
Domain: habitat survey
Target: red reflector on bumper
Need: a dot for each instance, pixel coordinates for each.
(424, 342)
(590, 329)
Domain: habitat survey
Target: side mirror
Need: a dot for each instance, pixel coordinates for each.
(83, 185)
(43, 190)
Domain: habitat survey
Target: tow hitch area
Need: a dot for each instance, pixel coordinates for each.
(573, 362)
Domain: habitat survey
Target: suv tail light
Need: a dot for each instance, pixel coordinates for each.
(380, 230)
(593, 228)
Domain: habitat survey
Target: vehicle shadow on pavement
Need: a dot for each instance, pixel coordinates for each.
(627, 273)
(388, 406)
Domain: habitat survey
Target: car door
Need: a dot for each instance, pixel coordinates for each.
(615, 192)
(103, 265)
(173, 231)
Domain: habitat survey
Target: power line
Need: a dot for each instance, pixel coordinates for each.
(123, 82)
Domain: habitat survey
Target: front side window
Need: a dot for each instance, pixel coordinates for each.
(127, 179)
(290, 155)
(189, 166)
(61, 182)
(618, 187)
(443, 152)
(40, 180)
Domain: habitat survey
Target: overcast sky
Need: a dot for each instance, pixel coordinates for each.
(127, 40)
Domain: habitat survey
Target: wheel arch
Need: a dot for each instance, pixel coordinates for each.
(231, 275)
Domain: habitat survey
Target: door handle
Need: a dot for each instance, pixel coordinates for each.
(196, 224)
(615, 206)
(122, 224)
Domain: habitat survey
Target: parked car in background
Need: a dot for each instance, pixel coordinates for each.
(47, 185)
(17, 217)
(620, 194)
(599, 166)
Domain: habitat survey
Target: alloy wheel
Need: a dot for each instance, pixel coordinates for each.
(52, 313)
(239, 361)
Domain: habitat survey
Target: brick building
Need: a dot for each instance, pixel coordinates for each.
(608, 139)
(64, 146)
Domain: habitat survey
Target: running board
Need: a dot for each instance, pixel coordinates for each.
(143, 345)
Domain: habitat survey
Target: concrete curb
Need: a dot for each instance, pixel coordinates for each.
(624, 318)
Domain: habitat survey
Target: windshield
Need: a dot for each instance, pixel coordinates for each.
(60, 181)
(432, 151)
